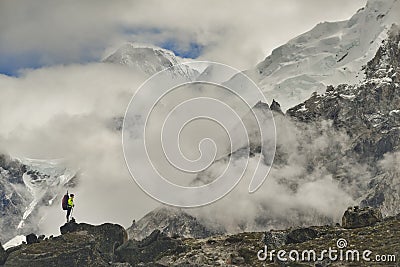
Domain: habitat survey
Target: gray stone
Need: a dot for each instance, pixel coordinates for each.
(355, 217)
(31, 239)
(108, 236)
(72, 249)
(301, 235)
(275, 239)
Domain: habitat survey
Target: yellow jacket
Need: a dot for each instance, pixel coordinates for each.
(70, 202)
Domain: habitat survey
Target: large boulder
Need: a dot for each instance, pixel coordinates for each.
(31, 239)
(108, 236)
(79, 245)
(149, 250)
(275, 239)
(301, 235)
(3, 255)
(355, 217)
(72, 249)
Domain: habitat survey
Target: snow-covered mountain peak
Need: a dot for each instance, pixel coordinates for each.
(331, 53)
(149, 59)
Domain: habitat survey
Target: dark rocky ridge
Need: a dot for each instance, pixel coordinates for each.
(367, 115)
(107, 245)
(149, 250)
(367, 110)
(241, 249)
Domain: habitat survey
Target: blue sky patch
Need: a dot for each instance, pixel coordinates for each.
(11, 64)
(192, 50)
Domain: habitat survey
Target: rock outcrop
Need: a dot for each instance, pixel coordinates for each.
(74, 249)
(79, 245)
(31, 239)
(354, 217)
(301, 235)
(275, 239)
(276, 107)
(366, 116)
(108, 236)
(369, 111)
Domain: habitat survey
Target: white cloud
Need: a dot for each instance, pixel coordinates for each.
(240, 34)
(67, 112)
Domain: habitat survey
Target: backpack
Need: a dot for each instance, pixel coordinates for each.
(64, 202)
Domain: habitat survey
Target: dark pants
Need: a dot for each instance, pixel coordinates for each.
(69, 209)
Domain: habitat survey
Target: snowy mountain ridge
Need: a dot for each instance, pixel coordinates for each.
(329, 54)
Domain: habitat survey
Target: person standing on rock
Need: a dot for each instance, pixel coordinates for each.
(70, 205)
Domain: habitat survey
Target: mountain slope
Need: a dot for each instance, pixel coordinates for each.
(329, 54)
(369, 113)
(82, 244)
(26, 186)
(336, 149)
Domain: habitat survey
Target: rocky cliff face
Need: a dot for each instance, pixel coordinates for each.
(148, 251)
(369, 113)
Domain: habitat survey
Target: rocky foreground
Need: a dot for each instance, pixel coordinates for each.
(82, 244)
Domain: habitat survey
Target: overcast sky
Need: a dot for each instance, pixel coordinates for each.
(241, 33)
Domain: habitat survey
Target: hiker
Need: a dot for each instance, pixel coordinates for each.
(70, 205)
